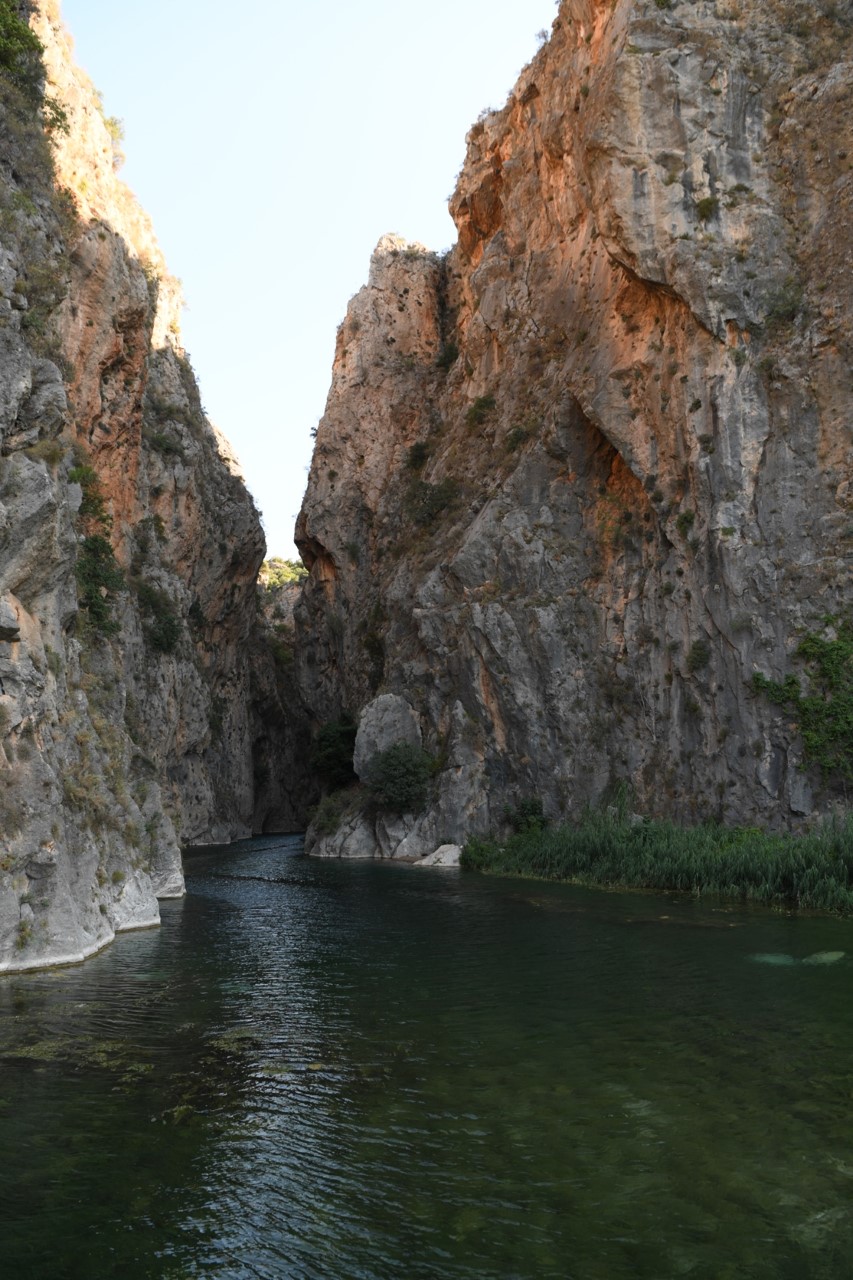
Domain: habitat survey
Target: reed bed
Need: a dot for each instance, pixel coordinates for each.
(813, 871)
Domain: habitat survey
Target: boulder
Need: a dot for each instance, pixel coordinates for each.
(446, 855)
(385, 721)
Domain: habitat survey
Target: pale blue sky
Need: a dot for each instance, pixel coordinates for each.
(273, 144)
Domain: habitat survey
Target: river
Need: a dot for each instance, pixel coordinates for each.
(350, 1071)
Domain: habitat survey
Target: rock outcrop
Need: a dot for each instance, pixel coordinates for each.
(580, 480)
(129, 550)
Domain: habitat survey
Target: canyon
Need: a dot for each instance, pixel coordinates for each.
(582, 483)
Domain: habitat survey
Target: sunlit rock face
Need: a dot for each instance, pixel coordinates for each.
(128, 726)
(578, 481)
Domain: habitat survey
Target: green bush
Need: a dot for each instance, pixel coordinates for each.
(164, 444)
(516, 438)
(331, 755)
(448, 356)
(329, 813)
(527, 815)
(99, 579)
(480, 410)
(99, 576)
(20, 53)
(398, 779)
(163, 626)
(698, 656)
(825, 712)
(417, 456)
(707, 207)
(685, 522)
(784, 304)
(45, 286)
(425, 502)
(282, 653)
(12, 815)
(93, 509)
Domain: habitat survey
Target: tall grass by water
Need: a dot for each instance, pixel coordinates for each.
(813, 871)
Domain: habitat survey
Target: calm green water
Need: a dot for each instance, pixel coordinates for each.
(322, 1070)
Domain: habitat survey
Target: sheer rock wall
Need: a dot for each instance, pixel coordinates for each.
(113, 746)
(581, 479)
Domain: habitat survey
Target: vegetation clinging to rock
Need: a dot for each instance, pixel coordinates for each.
(398, 778)
(20, 53)
(825, 711)
(99, 577)
(163, 625)
(331, 755)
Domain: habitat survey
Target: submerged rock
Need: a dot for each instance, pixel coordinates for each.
(825, 957)
(819, 958)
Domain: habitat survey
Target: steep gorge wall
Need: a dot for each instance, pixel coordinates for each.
(126, 695)
(579, 481)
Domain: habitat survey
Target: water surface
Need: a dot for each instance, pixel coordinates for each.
(359, 1072)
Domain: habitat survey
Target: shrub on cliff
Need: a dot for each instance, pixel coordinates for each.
(447, 357)
(479, 410)
(398, 778)
(163, 625)
(417, 456)
(22, 70)
(20, 53)
(98, 579)
(825, 711)
(93, 508)
(330, 812)
(527, 815)
(99, 576)
(331, 755)
(425, 502)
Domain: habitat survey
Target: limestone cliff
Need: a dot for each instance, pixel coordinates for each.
(129, 549)
(281, 735)
(577, 482)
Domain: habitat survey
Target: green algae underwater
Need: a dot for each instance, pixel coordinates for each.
(327, 1070)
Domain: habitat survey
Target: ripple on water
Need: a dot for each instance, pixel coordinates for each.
(337, 1070)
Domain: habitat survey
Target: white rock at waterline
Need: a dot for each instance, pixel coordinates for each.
(447, 855)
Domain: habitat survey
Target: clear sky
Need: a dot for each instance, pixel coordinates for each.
(273, 143)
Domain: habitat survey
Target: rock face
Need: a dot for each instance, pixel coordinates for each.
(129, 550)
(385, 721)
(578, 481)
(281, 733)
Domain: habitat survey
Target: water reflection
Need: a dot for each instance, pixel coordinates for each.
(333, 1070)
